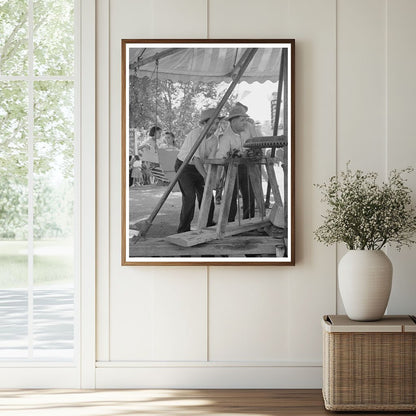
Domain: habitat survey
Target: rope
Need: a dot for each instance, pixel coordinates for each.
(138, 62)
(235, 57)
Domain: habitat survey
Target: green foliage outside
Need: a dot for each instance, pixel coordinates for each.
(49, 266)
(364, 214)
(13, 37)
(53, 119)
(53, 37)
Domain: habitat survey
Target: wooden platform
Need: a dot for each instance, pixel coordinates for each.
(234, 246)
(223, 229)
(193, 238)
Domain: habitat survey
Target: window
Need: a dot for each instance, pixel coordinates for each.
(38, 186)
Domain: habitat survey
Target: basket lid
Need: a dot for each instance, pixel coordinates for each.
(389, 323)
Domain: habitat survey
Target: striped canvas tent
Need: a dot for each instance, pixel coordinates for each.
(206, 64)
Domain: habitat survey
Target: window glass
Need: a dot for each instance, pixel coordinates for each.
(37, 125)
(53, 196)
(13, 37)
(13, 219)
(53, 37)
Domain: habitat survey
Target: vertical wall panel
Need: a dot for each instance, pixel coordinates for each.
(312, 25)
(312, 282)
(361, 89)
(132, 316)
(248, 315)
(159, 316)
(401, 143)
(180, 307)
(361, 84)
(266, 19)
(139, 326)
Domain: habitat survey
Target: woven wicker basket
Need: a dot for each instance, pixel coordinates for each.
(369, 366)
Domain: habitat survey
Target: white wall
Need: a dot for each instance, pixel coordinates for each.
(254, 326)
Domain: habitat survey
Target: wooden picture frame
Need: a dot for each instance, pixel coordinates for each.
(235, 98)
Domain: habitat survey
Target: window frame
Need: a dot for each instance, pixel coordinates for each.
(81, 371)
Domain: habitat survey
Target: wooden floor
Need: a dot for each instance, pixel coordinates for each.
(165, 402)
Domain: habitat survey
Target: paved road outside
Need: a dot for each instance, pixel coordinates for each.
(53, 323)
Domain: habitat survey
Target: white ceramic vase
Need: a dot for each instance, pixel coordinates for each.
(364, 278)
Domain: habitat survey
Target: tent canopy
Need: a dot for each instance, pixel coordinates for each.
(204, 64)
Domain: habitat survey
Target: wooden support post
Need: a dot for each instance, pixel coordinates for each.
(277, 214)
(210, 182)
(286, 132)
(282, 82)
(254, 173)
(273, 183)
(227, 198)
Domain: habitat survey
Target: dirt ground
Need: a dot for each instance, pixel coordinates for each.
(143, 200)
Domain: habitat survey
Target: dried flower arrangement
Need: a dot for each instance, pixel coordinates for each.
(366, 215)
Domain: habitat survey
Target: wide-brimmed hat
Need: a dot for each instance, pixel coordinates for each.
(242, 105)
(237, 111)
(206, 114)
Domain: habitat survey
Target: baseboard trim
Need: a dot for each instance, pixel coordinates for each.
(204, 364)
(210, 377)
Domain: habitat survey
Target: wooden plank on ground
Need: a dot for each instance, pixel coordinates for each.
(236, 246)
(195, 237)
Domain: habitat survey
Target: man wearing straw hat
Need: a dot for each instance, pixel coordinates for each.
(231, 142)
(192, 179)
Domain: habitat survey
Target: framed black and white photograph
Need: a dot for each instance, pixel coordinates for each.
(208, 152)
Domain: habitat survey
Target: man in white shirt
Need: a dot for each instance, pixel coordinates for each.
(233, 140)
(192, 179)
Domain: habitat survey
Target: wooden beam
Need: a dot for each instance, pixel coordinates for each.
(254, 174)
(274, 185)
(193, 238)
(209, 187)
(155, 57)
(242, 161)
(227, 198)
(282, 81)
(237, 246)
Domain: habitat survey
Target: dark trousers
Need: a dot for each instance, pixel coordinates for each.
(191, 184)
(244, 186)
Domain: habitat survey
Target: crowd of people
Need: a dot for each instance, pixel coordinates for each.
(225, 138)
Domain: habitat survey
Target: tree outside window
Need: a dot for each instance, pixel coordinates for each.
(37, 107)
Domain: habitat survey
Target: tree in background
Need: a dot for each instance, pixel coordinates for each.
(53, 141)
(178, 103)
